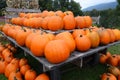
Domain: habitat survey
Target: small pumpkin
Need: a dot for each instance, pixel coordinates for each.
(22, 62)
(114, 70)
(30, 75)
(108, 76)
(3, 65)
(24, 68)
(42, 76)
(113, 60)
(103, 58)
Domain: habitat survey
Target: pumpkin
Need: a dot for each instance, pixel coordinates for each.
(44, 13)
(22, 62)
(119, 77)
(94, 38)
(108, 54)
(83, 43)
(108, 76)
(103, 58)
(55, 23)
(114, 70)
(67, 37)
(78, 32)
(24, 68)
(104, 36)
(88, 21)
(3, 65)
(38, 44)
(10, 68)
(113, 60)
(44, 23)
(30, 75)
(68, 13)
(112, 35)
(15, 74)
(60, 13)
(117, 34)
(21, 36)
(30, 37)
(51, 13)
(80, 22)
(7, 55)
(42, 76)
(69, 22)
(56, 51)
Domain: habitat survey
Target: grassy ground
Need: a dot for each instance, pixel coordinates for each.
(85, 73)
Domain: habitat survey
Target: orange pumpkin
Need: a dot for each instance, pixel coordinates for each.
(55, 23)
(88, 21)
(67, 37)
(103, 58)
(38, 44)
(80, 22)
(3, 65)
(113, 60)
(44, 23)
(117, 34)
(21, 36)
(108, 76)
(56, 51)
(78, 32)
(68, 13)
(60, 13)
(15, 74)
(22, 62)
(10, 68)
(83, 43)
(112, 35)
(42, 76)
(24, 69)
(104, 36)
(30, 75)
(69, 22)
(94, 38)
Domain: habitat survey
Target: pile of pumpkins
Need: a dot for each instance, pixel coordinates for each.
(113, 61)
(17, 69)
(50, 20)
(57, 48)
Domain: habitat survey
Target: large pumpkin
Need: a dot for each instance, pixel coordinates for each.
(3, 65)
(56, 51)
(83, 43)
(38, 44)
(112, 35)
(55, 23)
(67, 37)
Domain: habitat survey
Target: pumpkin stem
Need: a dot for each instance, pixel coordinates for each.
(23, 29)
(81, 35)
(17, 70)
(15, 78)
(108, 78)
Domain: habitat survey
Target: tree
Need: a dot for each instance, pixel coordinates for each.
(63, 5)
(118, 8)
(2, 5)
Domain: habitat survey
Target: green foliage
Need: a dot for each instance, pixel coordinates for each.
(118, 8)
(63, 5)
(2, 5)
